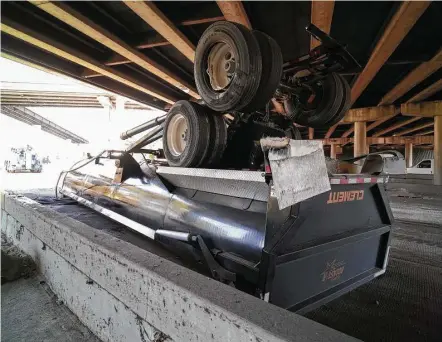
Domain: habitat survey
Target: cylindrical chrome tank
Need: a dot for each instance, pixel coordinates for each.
(145, 198)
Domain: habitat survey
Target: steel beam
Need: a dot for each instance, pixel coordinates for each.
(86, 26)
(19, 31)
(37, 98)
(29, 117)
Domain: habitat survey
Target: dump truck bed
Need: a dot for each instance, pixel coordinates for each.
(296, 258)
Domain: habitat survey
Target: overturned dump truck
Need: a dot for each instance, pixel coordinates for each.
(212, 194)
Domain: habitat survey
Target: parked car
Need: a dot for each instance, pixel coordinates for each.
(388, 162)
(425, 167)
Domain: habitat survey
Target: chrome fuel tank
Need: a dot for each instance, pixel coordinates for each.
(231, 222)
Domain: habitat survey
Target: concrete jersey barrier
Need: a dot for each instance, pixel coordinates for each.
(124, 293)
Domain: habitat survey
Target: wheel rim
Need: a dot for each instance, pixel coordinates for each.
(221, 66)
(177, 135)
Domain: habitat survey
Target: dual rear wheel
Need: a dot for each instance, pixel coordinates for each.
(332, 101)
(236, 69)
(193, 136)
(239, 70)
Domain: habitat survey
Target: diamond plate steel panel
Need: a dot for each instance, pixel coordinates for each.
(244, 184)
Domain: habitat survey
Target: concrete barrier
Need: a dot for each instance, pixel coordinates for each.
(124, 293)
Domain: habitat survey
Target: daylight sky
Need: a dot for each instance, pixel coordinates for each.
(99, 126)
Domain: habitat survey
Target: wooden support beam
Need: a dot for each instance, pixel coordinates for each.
(234, 11)
(399, 26)
(415, 140)
(423, 109)
(395, 127)
(151, 42)
(427, 92)
(414, 129)
(368, 114)
(412, 79)
(150, 13)
(426, 132)
(148, 43)
(336, 141)
(116, 60)
(378, 122)
(321, 16)
(76, 20)
(330, 131)
(348, 131)
(18, 31)
(201, 21)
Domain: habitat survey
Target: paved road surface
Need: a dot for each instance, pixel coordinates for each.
(406, 303)
(31, 312)
(403, 305)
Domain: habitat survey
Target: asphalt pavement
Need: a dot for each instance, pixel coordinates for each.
(405, 304)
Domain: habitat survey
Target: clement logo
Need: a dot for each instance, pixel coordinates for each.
(345, 196)
(333, 270)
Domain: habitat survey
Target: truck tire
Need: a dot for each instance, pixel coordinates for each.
(345, 104)
(271, 70)
(293, 133)
(332, 90)
(227, 66)
(186, 134)
(217, 140)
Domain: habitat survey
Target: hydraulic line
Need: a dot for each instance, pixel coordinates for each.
(143, 127)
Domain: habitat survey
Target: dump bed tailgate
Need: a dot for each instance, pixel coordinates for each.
(331, 243)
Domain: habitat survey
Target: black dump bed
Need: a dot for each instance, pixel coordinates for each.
(296, 258)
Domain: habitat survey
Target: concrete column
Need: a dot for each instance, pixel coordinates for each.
(360, 139)
(438, 150)
(409, 154)
(311, 133)
(335, 150)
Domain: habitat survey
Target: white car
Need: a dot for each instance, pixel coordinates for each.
(425, 167)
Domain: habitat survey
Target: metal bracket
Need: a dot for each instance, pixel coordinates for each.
(218, 272)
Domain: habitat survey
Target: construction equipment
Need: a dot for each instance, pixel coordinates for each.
(23, 159)
(220, 198)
